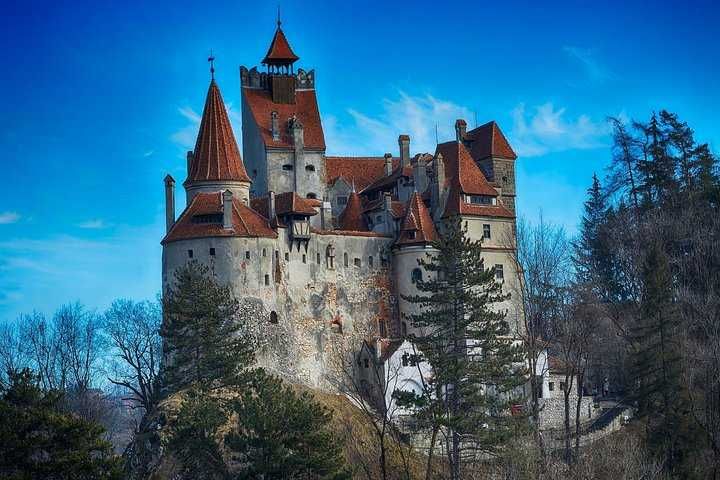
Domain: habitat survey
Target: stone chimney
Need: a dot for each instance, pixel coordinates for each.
(169, 202)
(387, 207)
(420, 174)
(297, 133)
(274, 127)
(460, 129)
(388, 164)
(227, 204)
(271, 205)
(404, 143)
(439, 183)
(326, 215)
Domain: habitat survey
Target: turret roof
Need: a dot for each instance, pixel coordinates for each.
(280, 52)
(352, 217)
(417, 226)
(488, 141)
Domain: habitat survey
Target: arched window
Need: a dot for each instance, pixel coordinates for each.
(345, 259)
(416, 275)
(273, 317)
(311, 195)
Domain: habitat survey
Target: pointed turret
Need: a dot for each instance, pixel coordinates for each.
(215, 164)
(417, 226)
(280, 53)
(352, 217)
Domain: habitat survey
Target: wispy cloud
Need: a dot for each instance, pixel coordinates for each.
(9, 217)
(149, 153)
(94, 224)
(587, 60)
(546, 129)
(407, 114)
(185, 136)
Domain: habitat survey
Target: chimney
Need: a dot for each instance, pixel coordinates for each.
(271, 206)
(387, 207)
(274, 128)
(404, 143)
(297, 133)
(169, 202)
(420, 174)
(388, 164)
(326, 215)
(387, 201)
(439, 183)
(460, 128)
(227, 198)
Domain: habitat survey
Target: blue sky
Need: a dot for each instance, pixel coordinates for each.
(101, 99)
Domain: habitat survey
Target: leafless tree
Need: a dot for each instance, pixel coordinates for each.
(13, 353)
(133, 330)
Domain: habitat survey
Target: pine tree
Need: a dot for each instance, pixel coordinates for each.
(467, 342)
(283, 434)
(205, 342)
(39, 440)
(590, 257)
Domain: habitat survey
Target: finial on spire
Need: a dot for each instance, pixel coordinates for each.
(211, 59)
(278, 18)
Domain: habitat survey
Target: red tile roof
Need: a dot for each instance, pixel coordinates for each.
(304, 109)
(349, 233)
(216, 155)
(457, 206)
(461, 170)
(386, 181)
(397, 208)
(352, 217)
(286, 203)
(417, 227)
(361, 170)
(488, 141)
(279, 52)
(246, 222)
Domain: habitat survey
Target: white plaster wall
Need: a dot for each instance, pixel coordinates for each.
(404, 261)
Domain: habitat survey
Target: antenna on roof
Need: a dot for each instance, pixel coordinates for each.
(211, 59)
(436, 134)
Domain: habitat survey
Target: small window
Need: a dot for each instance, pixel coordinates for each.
(247, 254)
(311, 196)
(304, 258)
(562, 386)
(403, 329)
(277, 255)
(212, 251)
(383, 261)
(309, 168)
(411, 234)
(370, 261)
(357, 262)
(551, 386)
(264, 252)
(405, 359)
(273, 317)
(367, 363)
(482, 200)
(345, 259)
(190, 254)
(499, 274)
(486, 231)
(267, 279)
(318, 258)
(342, 200)
(287, 167)
(379, 219)
(287, 256)
(416, 275)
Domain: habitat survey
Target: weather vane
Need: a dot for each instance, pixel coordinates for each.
(211, 59)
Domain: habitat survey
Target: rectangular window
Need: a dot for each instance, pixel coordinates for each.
(551, 386)
(383, 261)
(212, 251)
(482, 200)
(499, 274)
(342, 200)
(287, 256)
(304, 258)
(264, 252)
(370, 261)
(267, 279)
(190, 254)
(318, 258)
(247, 254)
(357, 262)
(411, 234)
(486, 231)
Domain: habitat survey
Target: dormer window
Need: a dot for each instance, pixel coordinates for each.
(481, 200)
(287, 167)
(411, 235)
(342, 200)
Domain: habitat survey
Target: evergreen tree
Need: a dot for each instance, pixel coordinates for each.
(592, 258)
(283, 434)
(38, 440)
(205, 342)
(467, 342)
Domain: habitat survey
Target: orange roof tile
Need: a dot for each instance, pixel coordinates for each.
(216, 155)
(279, 52)
(352, 217)
(418, 226)
(304, 109)
(361, 170)
(286, 203)
(246, 222)
(462, 171)
(488, 141)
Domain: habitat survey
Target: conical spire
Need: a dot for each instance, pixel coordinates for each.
(216, 155)
(352, 217)
(279, 52)
(417, 226)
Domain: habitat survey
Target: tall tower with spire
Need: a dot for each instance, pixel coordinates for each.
(215, 164)
(283, 139)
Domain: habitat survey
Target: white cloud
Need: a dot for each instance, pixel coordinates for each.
(407, 114)
(149, 153)
(546, 129)
(9, 217)
(186, 136)
(94, 224)
(587, 59)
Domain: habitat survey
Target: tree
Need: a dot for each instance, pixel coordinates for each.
(39, 440)
(283, 434)
(133, 329)
(206, 342)
(466, 340)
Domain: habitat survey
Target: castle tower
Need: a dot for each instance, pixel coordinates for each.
(283, 139)
(215, 164)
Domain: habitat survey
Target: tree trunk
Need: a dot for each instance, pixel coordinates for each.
(433, 438)
(578, 404)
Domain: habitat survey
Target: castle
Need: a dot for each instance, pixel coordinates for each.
(317, 245)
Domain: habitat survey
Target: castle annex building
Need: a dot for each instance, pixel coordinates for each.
(318, 245)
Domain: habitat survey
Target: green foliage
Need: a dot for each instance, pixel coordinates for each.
(203, 332)
(468, 343)
(283, 434)
(38, 440)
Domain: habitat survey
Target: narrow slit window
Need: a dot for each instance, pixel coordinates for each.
(247, 254)
(190, 254)
(267, 279)
(212, 251)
